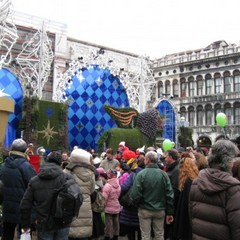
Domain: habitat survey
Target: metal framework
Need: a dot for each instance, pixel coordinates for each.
(8, 32)
(137, 82)
(35, 63)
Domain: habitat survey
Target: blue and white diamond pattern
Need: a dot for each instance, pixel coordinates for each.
(12, 87)
(87, 119)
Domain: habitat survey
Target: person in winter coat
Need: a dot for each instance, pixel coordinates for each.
(40, 194)
(152, 191)
(111, 191)
(15, 174)
(172, 158)
(214, 196)
(129, 221)
(84, 174)
(188, 171)
(109, 162)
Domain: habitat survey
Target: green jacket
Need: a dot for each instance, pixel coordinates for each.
(152, 190)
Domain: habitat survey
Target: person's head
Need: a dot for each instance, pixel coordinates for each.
(128, 154)
(80, 155)
(112, 173)
(181, 150)
(151, 149)
(121, 145)
(109, 153)
(19, 145)
(151, 157)
(187, 169)
(172, 156)
(125, 167)
(103, 156)
(54, 157)
(201, 160)
(64, 156)
(222, 154)
(30, 145)
(141, 161)
(140, 151)
(96, 161)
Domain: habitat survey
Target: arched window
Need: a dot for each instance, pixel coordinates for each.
(183, 87)
(208, 115)
(227, 82)
(236, 108)
(236, 78)
(175, 88)
(191, 116)
(200, 115)
(183, 112)
(209, 84)
(191, 85)
(217, 109)
(167, 88)
(160, 89)
(218, 83)
(228, 112)
(199, 85)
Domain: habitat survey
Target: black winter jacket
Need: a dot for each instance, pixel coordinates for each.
(39, 194)
(15, 174)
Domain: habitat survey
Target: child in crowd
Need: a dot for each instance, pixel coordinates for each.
(111, 191)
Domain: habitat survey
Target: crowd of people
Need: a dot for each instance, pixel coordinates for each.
(178, 194)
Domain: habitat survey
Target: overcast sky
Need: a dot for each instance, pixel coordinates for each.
(147, 27)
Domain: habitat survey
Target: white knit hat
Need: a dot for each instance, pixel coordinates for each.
(96, 160)
(80, 155)
(122, 144)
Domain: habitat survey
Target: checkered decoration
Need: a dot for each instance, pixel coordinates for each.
(92, 88)
(12, 87)
(165, 108)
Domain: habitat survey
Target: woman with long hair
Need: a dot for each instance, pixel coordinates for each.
(188, 171)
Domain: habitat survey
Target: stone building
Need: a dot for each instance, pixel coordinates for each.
(200, 84)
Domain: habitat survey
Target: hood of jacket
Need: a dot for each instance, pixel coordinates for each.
(14, 161)
(50, 171)
(212, 181)
(83, 171)
(114, 182)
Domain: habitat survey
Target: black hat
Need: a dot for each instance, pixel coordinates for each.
(54, 157)
(125, 167)
(181, 149)
(19, 145)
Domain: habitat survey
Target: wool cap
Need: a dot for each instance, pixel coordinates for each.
(100, 170)
(80, 155)
(54, 157)
(122, 144)
(112, 173)
(19, 145)
(96, 160)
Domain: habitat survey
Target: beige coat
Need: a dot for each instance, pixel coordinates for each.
(85, 177)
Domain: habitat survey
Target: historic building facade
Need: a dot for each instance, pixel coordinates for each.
(200, 84)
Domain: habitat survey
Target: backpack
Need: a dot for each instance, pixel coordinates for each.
(67, 201)
(99, 204)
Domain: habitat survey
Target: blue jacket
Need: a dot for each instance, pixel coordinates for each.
(15, 174)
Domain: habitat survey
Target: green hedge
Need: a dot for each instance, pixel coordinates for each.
(133, 138)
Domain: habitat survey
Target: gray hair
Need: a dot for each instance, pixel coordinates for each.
(152, 155)
(222, 154)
